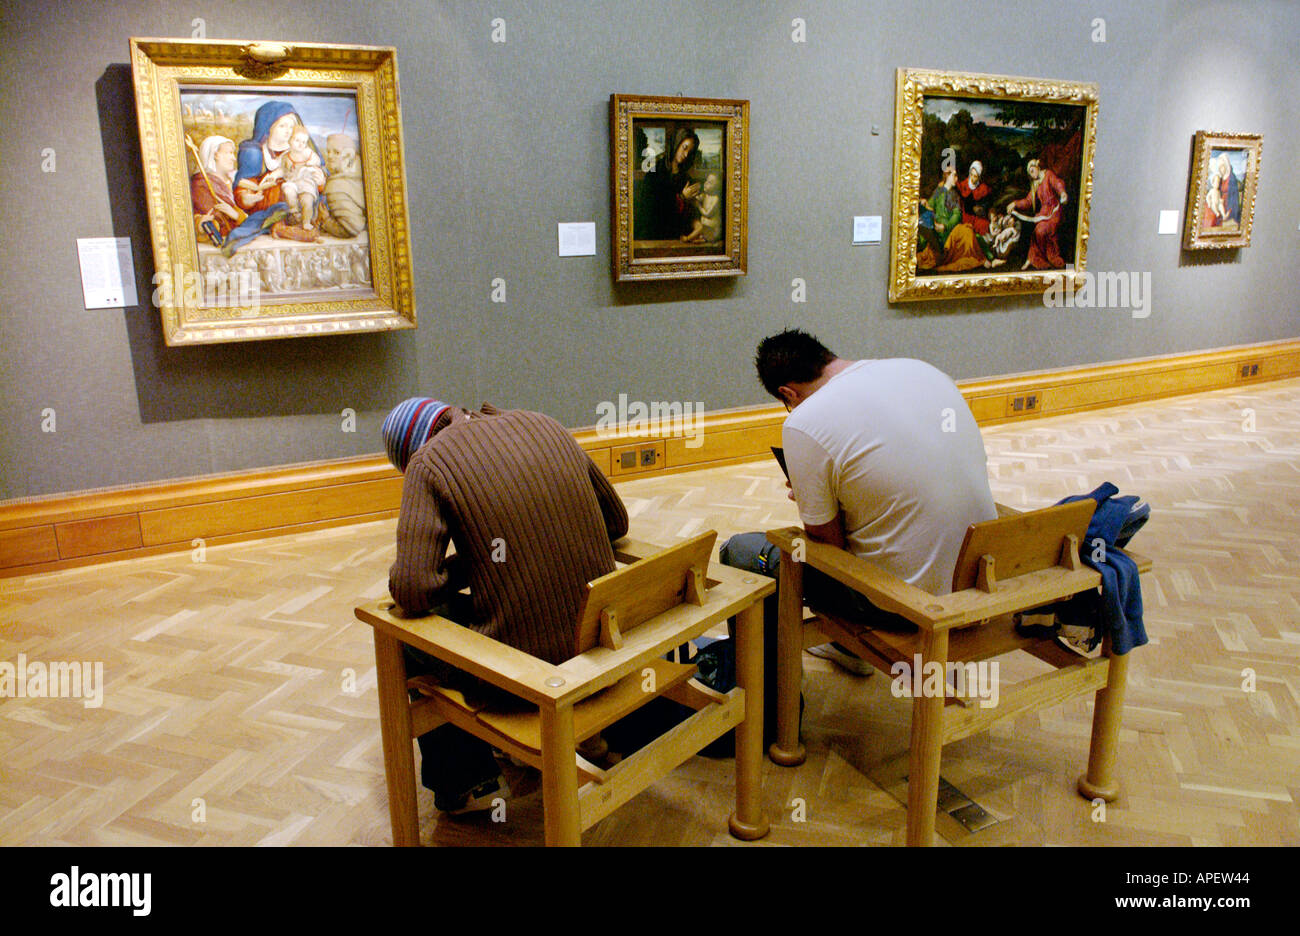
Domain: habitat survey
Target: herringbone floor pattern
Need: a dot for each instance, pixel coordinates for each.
(239, 705)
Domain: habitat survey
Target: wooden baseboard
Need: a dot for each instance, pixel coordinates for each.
(62, 531)
(1074, 390)
(65, 531)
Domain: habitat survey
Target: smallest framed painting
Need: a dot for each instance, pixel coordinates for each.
(680, 174)
(1221, 191)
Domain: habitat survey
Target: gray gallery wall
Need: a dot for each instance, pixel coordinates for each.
(505, 139)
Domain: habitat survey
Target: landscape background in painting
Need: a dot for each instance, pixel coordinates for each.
(1003, 136)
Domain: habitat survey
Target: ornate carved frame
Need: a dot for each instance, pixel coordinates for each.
(623, 108)
(160, 67)
(914, 84)
(1205, 141)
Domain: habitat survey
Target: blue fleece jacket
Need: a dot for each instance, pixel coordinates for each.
(1120, 604)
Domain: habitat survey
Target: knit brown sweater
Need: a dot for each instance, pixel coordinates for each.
(530, 514)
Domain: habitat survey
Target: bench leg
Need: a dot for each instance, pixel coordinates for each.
(395, 727)
(748, 822)
(927, 747)
(786, 750)
(1099, 782)
(559, 776)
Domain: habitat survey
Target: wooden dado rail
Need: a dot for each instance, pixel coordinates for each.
(66, 530)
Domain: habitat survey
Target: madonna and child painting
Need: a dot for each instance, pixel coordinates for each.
(277, 188)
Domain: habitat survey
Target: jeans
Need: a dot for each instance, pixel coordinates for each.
(753, 553)
(453, 761)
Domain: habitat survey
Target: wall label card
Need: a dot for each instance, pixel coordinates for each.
(866, 229)
(107, 272)
(1168, 222)
(577, 238)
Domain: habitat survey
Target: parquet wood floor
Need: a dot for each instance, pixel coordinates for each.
(239, 704)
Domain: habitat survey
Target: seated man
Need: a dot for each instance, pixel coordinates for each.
(532, 518)
(885, 460)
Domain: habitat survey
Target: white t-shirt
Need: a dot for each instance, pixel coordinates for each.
(893, 443)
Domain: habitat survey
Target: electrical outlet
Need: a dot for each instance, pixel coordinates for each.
(1023, 403)
(632, 459)
(1251, 369)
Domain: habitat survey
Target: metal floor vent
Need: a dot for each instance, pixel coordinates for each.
(961, 807)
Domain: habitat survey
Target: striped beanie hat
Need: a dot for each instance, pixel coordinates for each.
(408, 427)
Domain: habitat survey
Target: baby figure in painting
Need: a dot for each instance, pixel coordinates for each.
(1003, 235)
(708, 223)
(1215, 210)
(303, 177)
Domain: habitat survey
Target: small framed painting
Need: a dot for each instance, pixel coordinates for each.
(1221, 190)
(276, 188)
(680, 175)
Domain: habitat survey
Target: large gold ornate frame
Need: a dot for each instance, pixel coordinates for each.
(623, 109)
(1205, 141)
(914, 84)
(160, 67)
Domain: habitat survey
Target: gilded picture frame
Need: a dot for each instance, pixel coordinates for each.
(679, 172)
(1221, 190)
(276, 188)
(992, 184)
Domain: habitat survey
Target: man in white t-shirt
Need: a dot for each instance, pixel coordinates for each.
(885, 460)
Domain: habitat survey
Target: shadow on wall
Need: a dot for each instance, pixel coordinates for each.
(1213, 257)
(281, 377)
(685, 290)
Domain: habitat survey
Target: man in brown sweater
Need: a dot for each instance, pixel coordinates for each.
(532, 519)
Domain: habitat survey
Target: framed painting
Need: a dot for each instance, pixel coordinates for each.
(1221, 190)
(680, 171)
(992, 184)
(276, 189)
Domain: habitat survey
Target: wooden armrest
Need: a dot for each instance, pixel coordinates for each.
(883, 590)
(492, 661)
(936, 612)
(1144, 563)
(1022, 593)
(630, 550)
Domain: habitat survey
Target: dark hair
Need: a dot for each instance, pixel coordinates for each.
(793, 356)
(683, 134)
